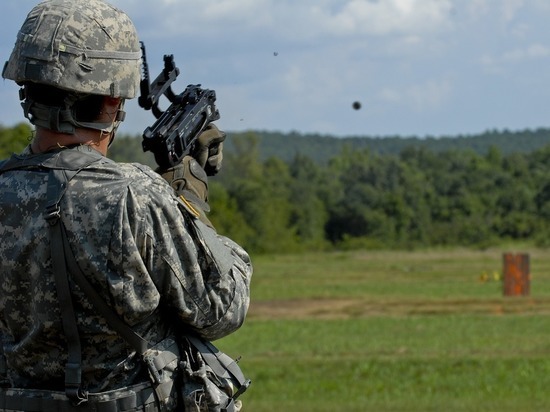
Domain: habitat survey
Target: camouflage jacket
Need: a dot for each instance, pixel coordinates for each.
(160, 268)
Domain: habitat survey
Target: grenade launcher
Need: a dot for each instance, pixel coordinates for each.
(173, 134)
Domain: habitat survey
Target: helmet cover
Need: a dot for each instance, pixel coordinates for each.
(84, 46)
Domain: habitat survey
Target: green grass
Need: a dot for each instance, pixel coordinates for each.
(378, 274)
(423, 333)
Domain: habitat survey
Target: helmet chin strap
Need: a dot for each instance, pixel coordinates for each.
(106, 127)
(63, 119)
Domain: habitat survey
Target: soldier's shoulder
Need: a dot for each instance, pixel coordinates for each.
(142, 177)
(139, 171)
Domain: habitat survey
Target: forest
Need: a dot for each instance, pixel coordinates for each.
(280, 193)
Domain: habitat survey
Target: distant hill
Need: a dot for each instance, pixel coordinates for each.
(321, 147)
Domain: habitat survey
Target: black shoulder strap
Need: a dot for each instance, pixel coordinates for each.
(57, 184)
(4, 380)
(59, 175)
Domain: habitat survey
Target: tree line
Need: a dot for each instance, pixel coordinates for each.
(360, 198)
(416, 198)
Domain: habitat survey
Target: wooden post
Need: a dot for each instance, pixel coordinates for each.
(517, 277)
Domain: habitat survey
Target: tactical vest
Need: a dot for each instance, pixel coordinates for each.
(161, 360)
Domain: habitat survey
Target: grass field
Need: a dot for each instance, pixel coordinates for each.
(395, 331)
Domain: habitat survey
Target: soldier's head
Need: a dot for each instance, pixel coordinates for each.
(69, 57)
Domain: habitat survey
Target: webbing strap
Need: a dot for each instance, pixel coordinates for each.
(4, 381)
(57, 184)
(100, 54)
(58, 179)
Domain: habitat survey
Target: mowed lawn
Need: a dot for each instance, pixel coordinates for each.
(395, 331)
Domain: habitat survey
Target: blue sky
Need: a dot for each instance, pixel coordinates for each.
(418, 67)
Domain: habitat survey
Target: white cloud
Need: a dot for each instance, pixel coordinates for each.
(294, 20)
(534, 51)
(504, 11)
(391, 17)
(510, 9)
(500, 64)
(420, 97)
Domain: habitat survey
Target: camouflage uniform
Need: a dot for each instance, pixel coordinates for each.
(159, 267)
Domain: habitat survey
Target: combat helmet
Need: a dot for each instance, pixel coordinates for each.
(84, 47)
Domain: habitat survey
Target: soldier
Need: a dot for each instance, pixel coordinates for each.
(140, 238)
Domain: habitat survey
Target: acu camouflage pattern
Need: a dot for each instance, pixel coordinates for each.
(86, 46)
(161, 269)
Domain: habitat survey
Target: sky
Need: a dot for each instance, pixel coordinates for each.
(417, 67)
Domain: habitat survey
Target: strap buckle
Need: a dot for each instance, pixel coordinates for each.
(52, 214)
(149, 360)
(73, 387)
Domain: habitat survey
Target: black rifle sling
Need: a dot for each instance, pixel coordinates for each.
(57, 184)
(4, 381)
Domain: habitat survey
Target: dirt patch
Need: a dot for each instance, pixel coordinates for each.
(354, 308)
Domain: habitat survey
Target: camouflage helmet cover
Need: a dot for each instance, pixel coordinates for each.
(85, 46)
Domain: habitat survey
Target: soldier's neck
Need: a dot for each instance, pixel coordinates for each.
(46, 140)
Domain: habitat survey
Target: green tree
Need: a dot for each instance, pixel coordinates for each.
(226, 216)
(309, 214)
(14, 139)
(128, 149)
(262, 194)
